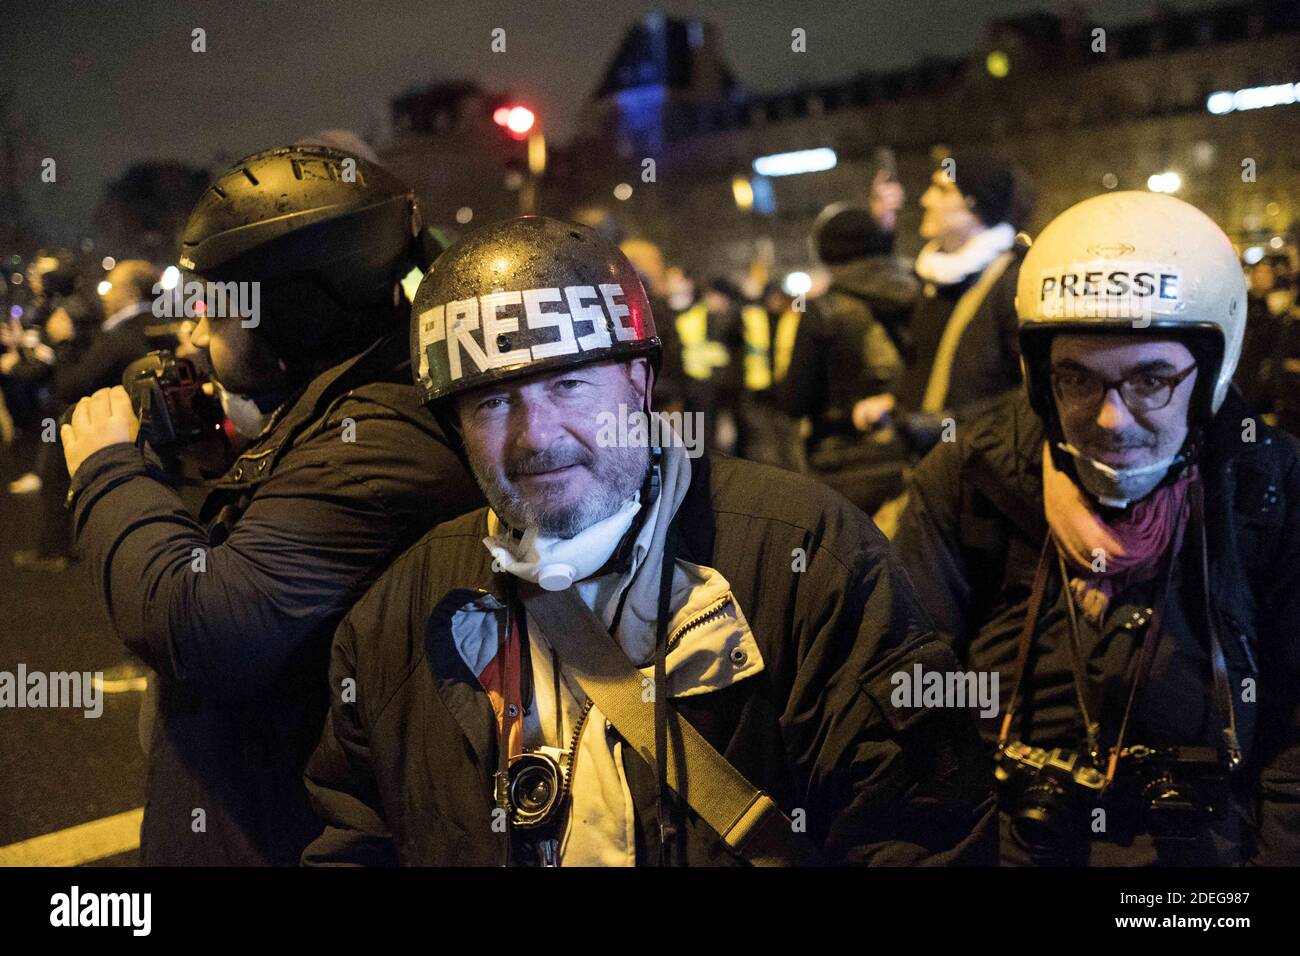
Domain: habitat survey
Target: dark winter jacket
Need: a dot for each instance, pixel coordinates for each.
(970, 539)
(403, 773)
(986, 363)
(102, 363)
(235, 617)
(848, 345)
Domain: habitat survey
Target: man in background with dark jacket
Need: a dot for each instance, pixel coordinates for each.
(306, 247)
(962, 352)
(848, 348)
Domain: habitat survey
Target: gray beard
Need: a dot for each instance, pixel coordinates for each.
(618, 477)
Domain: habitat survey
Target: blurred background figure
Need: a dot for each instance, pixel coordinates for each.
(52, 329)
(962, 353)
(848, 349)
(656, 277)
(769, 434)
(1270, 307)
(1273, 315)
(711, 342)
(82, 357)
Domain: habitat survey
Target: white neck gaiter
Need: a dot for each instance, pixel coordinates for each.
(248, 418)
(947, 268)
(1116, 487)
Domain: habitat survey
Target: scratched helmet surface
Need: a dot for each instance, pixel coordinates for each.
(525, 296)
(326, 237)
(1133, 263)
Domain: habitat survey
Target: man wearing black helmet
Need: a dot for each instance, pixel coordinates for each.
(507, 668)
(297, 253)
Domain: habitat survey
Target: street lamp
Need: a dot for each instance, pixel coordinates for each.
(1168, 182)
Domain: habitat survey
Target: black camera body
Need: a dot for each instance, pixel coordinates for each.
(537, 789)
(1050, 794)
(1175, 789)
(167, 396)
(1168, 792)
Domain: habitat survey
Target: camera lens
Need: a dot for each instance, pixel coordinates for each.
(1042, 823)
(535, 789)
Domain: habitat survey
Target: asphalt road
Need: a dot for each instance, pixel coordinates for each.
(58, 767)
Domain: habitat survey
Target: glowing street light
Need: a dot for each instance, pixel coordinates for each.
(518, 120)
(742, 192)
(1167, 182)
(797, 283)
(800, 161)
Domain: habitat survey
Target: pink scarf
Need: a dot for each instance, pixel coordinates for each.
(1108, 556)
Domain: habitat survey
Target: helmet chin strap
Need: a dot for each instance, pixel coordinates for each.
(1119, 487)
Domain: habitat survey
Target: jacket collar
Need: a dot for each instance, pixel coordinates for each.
(695, 522)
(1010, 473)
(459, 689)
(255, 464)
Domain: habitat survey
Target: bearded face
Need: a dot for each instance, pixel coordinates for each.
(532, 445)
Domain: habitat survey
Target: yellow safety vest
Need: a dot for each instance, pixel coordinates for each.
(700, 354)
(765, 362)
(758, 348)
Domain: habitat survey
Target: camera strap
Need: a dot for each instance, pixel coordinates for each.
(1026, 639)
(748, 820)
(501, 779)
(1218, 662)
(1150, 642)
(1092, 728)
(1078, 672)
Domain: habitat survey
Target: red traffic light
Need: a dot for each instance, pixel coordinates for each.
(517, 119)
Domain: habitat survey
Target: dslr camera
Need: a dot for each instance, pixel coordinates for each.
(1049, 794)
(1168, 792)
(167, 396)
(537, 788)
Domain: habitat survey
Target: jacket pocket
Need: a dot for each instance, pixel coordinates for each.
(940, 744)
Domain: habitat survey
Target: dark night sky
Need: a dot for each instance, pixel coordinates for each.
(98, 85)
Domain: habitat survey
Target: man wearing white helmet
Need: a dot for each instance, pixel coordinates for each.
(1121, 544)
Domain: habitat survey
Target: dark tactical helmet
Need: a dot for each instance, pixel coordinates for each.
(525, 296)
(328, 236)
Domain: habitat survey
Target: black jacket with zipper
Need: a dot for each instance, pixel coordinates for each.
(970, 539)
(234, 613)
(849, 345)
(403, 773)
(986, 361)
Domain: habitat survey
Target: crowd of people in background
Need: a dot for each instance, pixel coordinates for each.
(852, 379)
(60, 343)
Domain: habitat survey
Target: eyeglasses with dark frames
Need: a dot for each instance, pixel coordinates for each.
(1141, 391)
